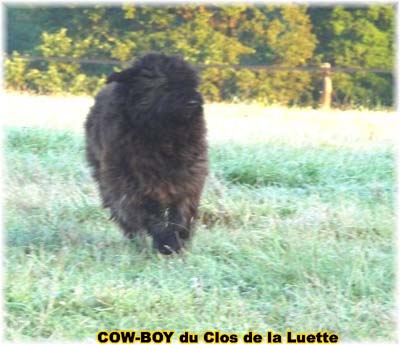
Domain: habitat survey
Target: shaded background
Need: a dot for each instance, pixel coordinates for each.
(290, 36)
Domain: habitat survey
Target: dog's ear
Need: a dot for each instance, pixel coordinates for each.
(126, 76)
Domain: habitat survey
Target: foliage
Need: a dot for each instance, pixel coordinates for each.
(52, 76)
(358, 37)
(208, 35)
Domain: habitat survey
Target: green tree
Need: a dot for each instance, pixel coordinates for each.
(208, 35)
(358, 37)
(274, 33)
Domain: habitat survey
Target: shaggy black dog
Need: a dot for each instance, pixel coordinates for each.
(145, 140)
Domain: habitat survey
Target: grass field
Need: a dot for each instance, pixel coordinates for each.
(296, 230)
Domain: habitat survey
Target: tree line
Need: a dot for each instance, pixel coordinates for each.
(247, 35)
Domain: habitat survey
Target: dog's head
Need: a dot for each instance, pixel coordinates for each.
(161, 87)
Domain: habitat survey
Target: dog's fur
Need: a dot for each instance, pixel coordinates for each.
(145, 140)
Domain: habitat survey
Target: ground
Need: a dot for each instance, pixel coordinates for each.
(296, 229)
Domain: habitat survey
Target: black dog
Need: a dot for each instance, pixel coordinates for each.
(145, 140)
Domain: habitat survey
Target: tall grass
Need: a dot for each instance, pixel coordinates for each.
(291, 236)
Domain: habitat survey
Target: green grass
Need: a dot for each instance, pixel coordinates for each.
(290, 236)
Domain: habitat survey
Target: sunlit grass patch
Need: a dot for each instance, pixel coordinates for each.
(291, 235)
